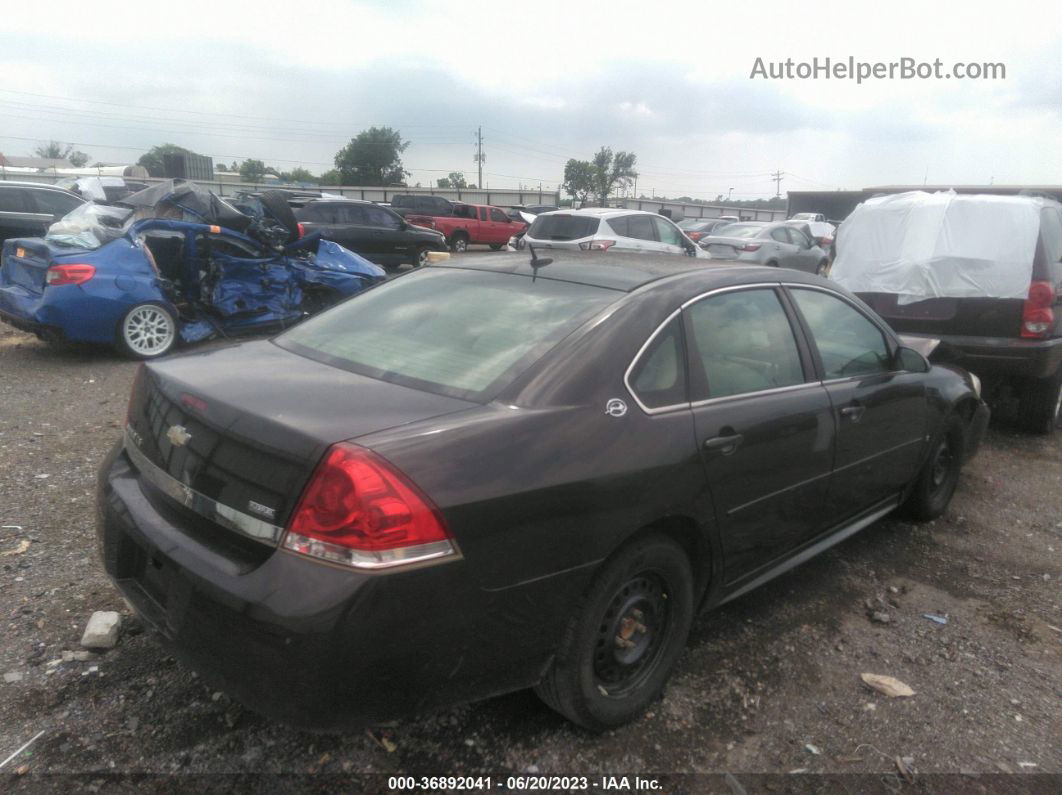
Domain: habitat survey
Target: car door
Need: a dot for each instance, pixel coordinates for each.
(18, 217)
(53, 202)
(501, 226)
(764, 425)
(391, 241)
(880, 410)
(783, 250)
(320, 217)
(805, 258)
(353, 230)
(641, 234)
(671, 240)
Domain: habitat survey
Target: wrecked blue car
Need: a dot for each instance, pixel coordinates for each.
(174, 263)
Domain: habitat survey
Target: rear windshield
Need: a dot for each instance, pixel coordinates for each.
(563, 227)
(738, 230)
(462, 333)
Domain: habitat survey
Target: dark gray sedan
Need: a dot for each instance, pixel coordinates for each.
(779, 245)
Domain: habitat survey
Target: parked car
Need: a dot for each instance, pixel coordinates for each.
(604, 229)
(979, 274)
(106, 190)
(476, 223)
(508, 476)
(376, 233)
(27, 209)
(143, 277)
(779, 245)
(696, 228)
(817, 217)
(414, 204)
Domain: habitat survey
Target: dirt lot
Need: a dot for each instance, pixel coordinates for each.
(770, 683)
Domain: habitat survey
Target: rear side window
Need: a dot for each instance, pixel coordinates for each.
(743, 342)
(849, 343)
(563, 227)
(1051, 233)
(466, 334)
(54, 202)
(12, 201)
(483, 213)
(350, 214)
(640, 227)
(317, 213)
(659, 376)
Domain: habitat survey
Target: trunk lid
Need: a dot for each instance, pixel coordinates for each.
(26, 262)
(218, 434)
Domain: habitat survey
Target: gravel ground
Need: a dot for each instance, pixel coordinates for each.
(770, 684)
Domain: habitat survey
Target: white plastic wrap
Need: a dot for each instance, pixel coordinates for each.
(922, 245)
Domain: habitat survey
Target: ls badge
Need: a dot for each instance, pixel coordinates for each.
(615, 408)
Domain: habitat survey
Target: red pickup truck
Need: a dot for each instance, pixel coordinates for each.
(472, 223)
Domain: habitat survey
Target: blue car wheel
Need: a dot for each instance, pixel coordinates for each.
(147, 331)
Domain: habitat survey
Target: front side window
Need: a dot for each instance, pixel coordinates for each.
(849, 344)
(667, 232)
(498, 216)
(378, 216)
(466, 334)
(799, 238)
(742, 342)
(659, 376)
(781, 235)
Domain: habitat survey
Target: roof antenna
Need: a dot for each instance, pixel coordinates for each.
(537, 262)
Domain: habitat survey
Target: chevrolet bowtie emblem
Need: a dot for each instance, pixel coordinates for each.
(178, 435)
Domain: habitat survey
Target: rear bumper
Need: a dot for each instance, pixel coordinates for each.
(314, 645)
(30, 325)
(998, 356)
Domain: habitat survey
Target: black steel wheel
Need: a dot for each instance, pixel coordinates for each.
(936, 482)
(623, 642)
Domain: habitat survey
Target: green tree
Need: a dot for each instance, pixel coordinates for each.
(252, 170)
(373, 157)
(298, 174)
(455, 180)
(612, 172)
(579, 180)
(331, 177)
(153, 162)
(54, 150)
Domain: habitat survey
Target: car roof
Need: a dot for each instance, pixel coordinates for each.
(41, 185)
(626, 272)
(338, 199)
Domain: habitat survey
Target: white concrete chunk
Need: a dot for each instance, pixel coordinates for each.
(102, 630)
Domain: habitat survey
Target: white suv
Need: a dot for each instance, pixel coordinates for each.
(604, 229)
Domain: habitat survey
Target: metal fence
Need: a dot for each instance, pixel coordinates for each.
(500, 198)
(702, 210)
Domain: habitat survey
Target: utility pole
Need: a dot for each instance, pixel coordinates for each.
(776, 177)
(479, 157)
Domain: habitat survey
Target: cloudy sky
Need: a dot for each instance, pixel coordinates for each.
(290, 83)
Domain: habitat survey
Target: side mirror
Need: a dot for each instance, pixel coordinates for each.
(911, 360)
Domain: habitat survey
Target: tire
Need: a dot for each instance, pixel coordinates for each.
(459, 243)
(147, 331)
(420, 257)
(823, 269)
(626, 635)
(936, 482)
(1041, 404)
(496, 246)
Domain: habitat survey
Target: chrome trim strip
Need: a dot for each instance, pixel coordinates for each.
(229, 518)
(758, 393)
(634, 362)
(750, 503)
(893, 449)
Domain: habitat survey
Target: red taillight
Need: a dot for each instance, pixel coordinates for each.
(302, 230)
(750, 247)
(597, 245)
(1037, 316)
(69, 274)
(360, 511)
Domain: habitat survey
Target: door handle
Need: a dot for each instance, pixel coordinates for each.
(854, 413)
(724, 444)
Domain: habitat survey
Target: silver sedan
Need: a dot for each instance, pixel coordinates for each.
(779, 244)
